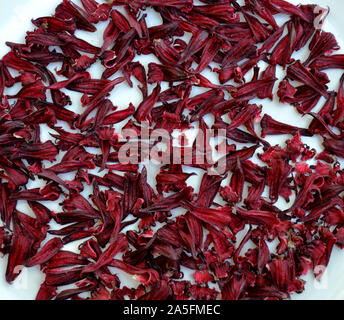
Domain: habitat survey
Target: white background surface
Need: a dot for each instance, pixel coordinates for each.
(15, 20)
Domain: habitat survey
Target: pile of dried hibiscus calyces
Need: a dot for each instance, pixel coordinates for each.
(231, 233)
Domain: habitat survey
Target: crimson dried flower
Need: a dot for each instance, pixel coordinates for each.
(335, 61)
(339, 112)
(323, 43)
(144, 109)
(268, 73)
(68, 10)
(272, 127)
(250, 90)
(259, 217)
(299, 72)
(47, 252)
(286, 7)
(55, 25)
(13, 61)
(20, 251)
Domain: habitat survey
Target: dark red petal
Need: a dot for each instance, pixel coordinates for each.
(46, 252)
(20, 250)
(107, 256)
(298, 72)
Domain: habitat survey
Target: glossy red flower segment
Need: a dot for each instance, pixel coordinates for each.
(245, 218)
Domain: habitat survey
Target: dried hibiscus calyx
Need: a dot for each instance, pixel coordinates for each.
(248, 217)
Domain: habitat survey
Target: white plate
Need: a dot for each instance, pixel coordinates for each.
(15, 17)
